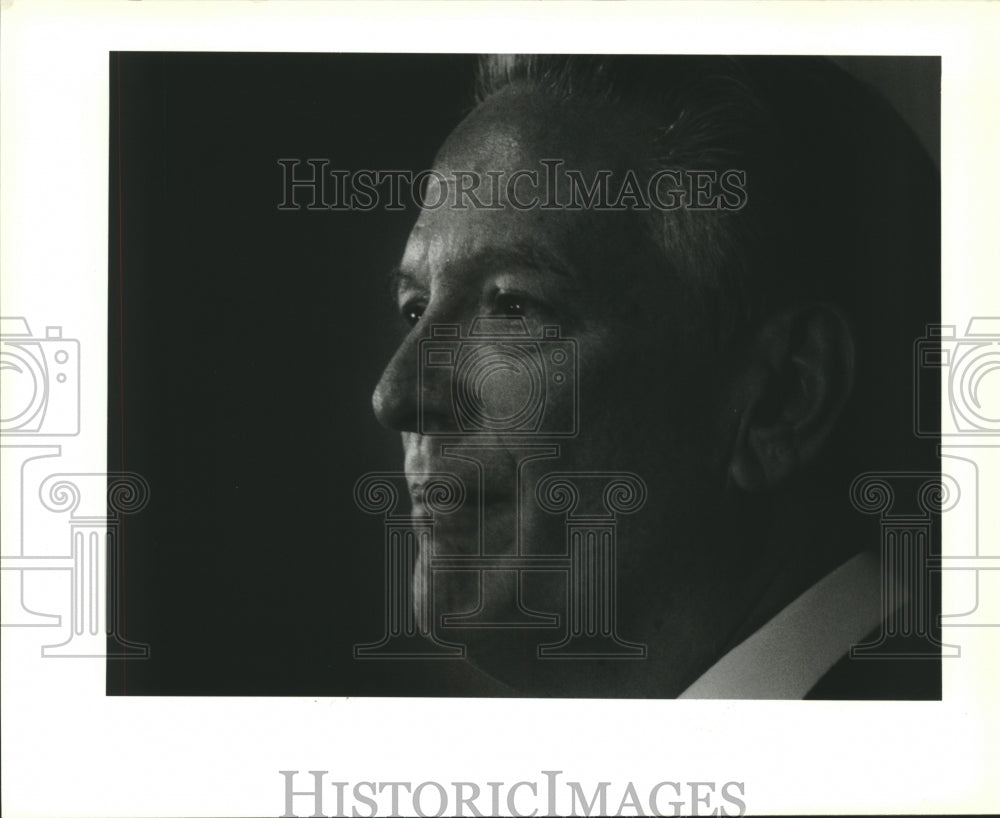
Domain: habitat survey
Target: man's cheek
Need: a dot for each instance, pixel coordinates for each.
(408, 441)
(501, 390)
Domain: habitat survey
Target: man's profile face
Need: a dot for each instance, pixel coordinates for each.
(649, 391)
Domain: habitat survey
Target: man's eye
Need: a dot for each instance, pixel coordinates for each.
(412, 311)
(511, 304)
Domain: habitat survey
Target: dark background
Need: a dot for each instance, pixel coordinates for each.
(248, 341)
(244, 343)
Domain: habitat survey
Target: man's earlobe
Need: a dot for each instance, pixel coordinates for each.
(790, 394)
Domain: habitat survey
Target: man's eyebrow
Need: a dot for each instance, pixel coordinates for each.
(491, 258)
(519, 255)
(397, 278)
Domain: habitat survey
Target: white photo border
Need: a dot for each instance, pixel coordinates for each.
(69, 750)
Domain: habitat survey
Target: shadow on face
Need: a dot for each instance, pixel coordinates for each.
(723, 435)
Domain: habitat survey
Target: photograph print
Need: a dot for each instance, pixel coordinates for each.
(526, 375)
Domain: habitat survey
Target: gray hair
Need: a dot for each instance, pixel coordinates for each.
(843, 205)
(788, 126)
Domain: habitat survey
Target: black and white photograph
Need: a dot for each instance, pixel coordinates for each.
(526, 375)
(499, 408)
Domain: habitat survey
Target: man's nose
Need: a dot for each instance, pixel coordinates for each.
(395, 397)
(405, 402)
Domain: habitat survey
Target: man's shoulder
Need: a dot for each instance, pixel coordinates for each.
(805, 650)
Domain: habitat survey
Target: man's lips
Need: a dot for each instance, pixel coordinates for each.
(472, 499)
(486, 477)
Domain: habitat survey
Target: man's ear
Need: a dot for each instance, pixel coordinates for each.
(790, 393)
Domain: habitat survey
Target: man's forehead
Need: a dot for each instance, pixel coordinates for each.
(484, 142)
(441, 245)
(513, 132)
(427, 250)
(515, 128)
(482, 251)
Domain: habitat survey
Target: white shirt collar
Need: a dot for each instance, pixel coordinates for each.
(791, 653)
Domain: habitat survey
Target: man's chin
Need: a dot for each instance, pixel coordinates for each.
(469, 533)
(455, 594)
